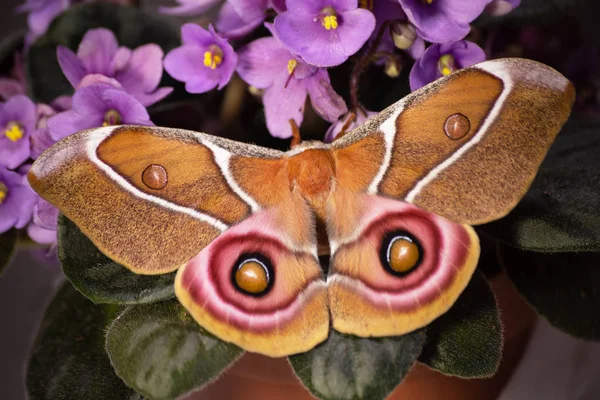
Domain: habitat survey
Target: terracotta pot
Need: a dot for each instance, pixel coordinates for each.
(257, 377)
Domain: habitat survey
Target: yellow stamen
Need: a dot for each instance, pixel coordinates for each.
(112, 117)
(213, 57)
(14, 131)
(330, 22)
(3, 192)
(292, 64)
(427, 1)
(446, 64)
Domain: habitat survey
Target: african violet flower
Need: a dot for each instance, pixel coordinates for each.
(347, 122)
(442, 59)
(41, 14)
(98, 105)
(324, 32)
(442, 21)
(287, 80)
(16, 200)
(138, 71)
(501, 7)
(17, 122)
(45, 220)
(205, 60)
(237, 18)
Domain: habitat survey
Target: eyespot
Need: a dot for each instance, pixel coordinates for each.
(155, 177)
(457, 126)
(252, 274)
(400, 253)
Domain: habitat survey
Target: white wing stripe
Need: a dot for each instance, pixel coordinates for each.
(96, 137)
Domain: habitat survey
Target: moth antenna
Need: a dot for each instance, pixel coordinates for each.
(345, 129)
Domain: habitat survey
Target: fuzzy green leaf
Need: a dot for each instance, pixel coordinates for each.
(467, 340)
(8, 242)
(101, 279)
(560, 211)
(160, 351)
(68, 360)
(349, 367)
(563, 288)
(132, 27)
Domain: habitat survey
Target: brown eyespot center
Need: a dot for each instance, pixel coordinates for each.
(155, 177)
(400, 253)
(457, 126)
(252, 277)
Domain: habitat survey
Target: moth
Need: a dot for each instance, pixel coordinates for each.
(396, 198)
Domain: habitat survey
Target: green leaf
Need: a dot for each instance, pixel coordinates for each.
(132, 27)
(68, 359)
(563, 288)
(103, 280)
(560, 211)
(161, 352)
(349, 367)
(8, 242)
(467, 340)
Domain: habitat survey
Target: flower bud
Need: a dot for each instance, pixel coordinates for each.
(393, 67)
(403, 34)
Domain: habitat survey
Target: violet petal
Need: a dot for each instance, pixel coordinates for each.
(71, 65)
(326, 102)
(283, 103)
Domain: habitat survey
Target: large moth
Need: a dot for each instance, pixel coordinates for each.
(396, 198)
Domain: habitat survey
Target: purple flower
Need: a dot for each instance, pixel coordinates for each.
(324, 32)
(205, 60)
(442, 59)
(348, 122)
(41, 14)
(189, 7)
(98, 105)
(287, 80)
(501, 7)
(45, 220)
(16, 200)
(237, 18)
(17, 121)
(442, 21)
(40, 137)
(138, 71)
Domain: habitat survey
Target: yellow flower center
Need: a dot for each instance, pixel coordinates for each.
(213, 57)
(14, 131)
(3, 192)
(330, 22)
(329, 18)
(292, 64)
(112, 117)
(427, 1)
(446, 64)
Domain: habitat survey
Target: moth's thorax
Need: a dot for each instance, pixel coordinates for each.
(311, 173)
